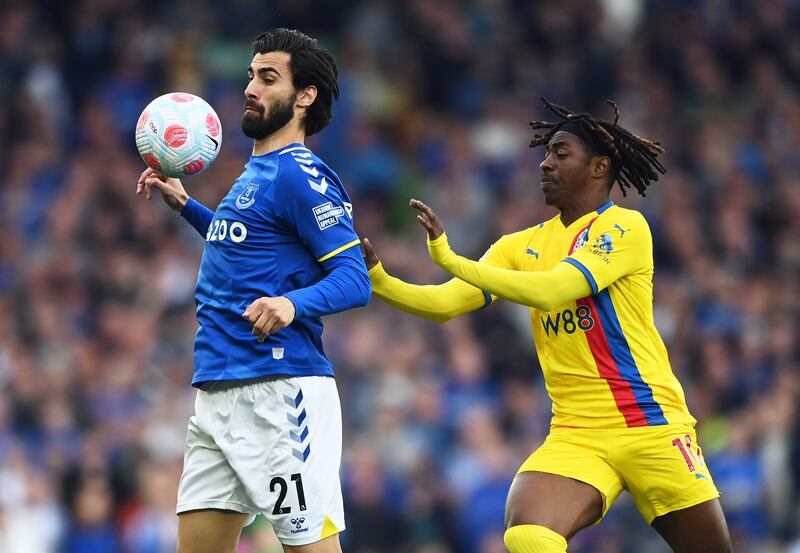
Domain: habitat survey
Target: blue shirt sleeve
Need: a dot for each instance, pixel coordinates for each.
(346, 285)
(198, 215)
(314, 205)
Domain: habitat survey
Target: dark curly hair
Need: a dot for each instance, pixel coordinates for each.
(634, 162)
(311, 65)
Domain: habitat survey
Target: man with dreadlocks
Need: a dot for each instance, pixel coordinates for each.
(620, 420)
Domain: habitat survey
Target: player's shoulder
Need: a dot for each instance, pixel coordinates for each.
(517, 242)
(301, 171)
(526, 234)
(515, 239)
(622, 216)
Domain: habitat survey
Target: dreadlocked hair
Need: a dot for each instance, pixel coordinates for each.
(633, 158)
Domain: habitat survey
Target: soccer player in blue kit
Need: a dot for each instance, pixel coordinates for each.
(280, 253)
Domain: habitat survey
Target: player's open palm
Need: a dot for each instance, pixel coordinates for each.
(269, 315)
(428, 219)
(172, 190)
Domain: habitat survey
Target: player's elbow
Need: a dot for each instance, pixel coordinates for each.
(362, 291)
(441, 318)
(448, 312)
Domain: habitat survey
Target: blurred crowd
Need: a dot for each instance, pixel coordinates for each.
(96, 284)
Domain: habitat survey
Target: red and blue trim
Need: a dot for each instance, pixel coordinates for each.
(611, 352)
(615, 363)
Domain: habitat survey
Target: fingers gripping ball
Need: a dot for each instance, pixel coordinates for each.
(178, 134)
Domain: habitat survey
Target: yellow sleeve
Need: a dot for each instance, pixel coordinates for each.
(618, 244)
(438, 303)
(543, 290)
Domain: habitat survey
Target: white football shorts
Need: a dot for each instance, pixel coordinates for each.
(271, 447)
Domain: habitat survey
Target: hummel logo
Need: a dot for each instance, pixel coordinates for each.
(321, 187)
(533, 253)
(216, 144)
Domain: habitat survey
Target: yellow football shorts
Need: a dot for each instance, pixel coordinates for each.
(661, 466)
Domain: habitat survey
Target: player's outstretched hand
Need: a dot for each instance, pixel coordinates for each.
(269, 315)
(172, 190)
(428, 219)
(369, 254)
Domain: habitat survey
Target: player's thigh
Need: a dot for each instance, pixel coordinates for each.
(566, 484)
(284, 443)
(663, 468)
(328, 545)
(698, 529)
(209, 531)
(559, 503)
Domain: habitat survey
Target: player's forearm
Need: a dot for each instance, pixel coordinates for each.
(543, 290)
(438, 303)
(346, 285)
(198, 215)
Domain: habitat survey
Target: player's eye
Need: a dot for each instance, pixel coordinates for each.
(561, 155)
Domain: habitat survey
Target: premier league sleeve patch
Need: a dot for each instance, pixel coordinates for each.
(328, 215)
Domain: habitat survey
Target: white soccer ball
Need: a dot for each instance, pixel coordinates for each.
(178, 134)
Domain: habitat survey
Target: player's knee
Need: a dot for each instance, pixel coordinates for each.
(531, 538)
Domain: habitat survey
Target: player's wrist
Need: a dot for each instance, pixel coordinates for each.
(439, 240)
(296, 305)
(439, 249)
(377, 271)
(181, 200)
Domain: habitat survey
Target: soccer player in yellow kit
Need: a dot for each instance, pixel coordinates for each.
(620, 420)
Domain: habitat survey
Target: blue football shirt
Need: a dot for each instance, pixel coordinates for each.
(286, 214)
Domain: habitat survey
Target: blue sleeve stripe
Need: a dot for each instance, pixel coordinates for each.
(488, 297)
(582, 268)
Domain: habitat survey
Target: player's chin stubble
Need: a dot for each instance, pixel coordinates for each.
(257, 126)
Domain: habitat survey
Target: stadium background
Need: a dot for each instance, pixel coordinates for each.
(96, 308)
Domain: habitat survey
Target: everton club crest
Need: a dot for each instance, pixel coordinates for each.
(247, 197)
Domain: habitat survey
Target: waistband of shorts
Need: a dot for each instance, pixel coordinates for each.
(222, 385)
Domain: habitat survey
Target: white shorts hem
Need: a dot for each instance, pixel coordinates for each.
(224, 505)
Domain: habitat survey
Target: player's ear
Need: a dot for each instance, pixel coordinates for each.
(307, 96)
(602, 167)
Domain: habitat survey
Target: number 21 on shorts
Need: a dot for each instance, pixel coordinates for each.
(684, 445)
(280, 485)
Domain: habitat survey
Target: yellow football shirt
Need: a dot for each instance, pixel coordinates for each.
(604, 363)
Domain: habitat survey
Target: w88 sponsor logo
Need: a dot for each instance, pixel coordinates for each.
(569, 321)
(221, 229)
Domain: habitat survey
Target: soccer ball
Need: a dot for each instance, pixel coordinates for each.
(178, 134)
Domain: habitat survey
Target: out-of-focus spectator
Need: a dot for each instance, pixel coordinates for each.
(96, 291)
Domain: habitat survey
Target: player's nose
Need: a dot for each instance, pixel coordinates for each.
(546, 166)
(249, 90)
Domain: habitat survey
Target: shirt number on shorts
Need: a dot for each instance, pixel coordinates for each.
(685, 447)
(280, 483)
